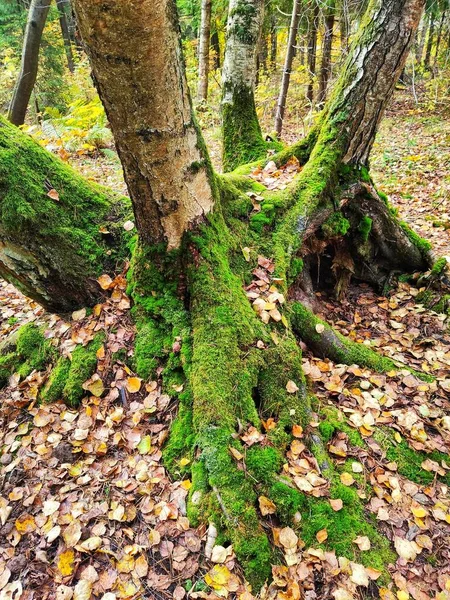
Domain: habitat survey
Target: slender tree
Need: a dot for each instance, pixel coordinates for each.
(312, 49)
(242, 138)
(203, 55)
(37, 16)
(197, 329)
(327, 44)
(273, 41)
(64, 9)
(430, 40)
(281, 105)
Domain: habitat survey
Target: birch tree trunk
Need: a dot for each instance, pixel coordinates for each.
(281, 105)
(203, 55)
(242, 138)
(37, 16)
(327, 44)
(143, 86)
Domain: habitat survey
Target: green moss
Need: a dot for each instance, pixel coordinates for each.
(241, 133)
(365, 227)
(287, 500)
(82, 367)
(263, 463)
(54, 387)
(37, 223)
(409, 461)
(423, 245)
(335, 226)
(8, 364)
(365, 175)
(439, 267)
(181, 440)
(327, 430)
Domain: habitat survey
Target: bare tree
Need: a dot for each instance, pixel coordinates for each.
(203, 55)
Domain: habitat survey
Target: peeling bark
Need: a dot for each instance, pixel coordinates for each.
(137, 62)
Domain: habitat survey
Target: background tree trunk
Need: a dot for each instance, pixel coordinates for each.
(215, 44)
(273, 41)
(63, 9)
(312, 51)
(344, 24)
(421, 38)
(162, 152)
(203, 55)
(327, 44)
(242, 138)
(58, 232)
(431, 27)
(37, 16)
(281, 106)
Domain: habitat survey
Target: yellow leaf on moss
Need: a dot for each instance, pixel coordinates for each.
(347, 479)
(218, 577)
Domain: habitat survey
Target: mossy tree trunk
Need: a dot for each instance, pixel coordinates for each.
(227, 367)
(37, 16)
(242, 137)
(58, 232)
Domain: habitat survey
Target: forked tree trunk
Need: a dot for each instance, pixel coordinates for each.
(165, 163)
(312, 51)
(242, 138)
(203, 54)
(37, 16)
(327, 44)
(63, 9)
(281, 105)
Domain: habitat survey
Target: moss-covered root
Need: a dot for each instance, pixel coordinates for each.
(58, 232)
(68, 376)
(29, 351)
(324, 341)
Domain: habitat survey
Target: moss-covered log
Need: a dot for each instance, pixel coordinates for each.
(58, 232)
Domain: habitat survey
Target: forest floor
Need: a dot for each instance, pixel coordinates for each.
(87, 509)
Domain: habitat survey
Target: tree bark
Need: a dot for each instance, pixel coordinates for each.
(215, 43)
(162, 152)
(421, 38)
(312, 51)
(37, 16)
(431, 27)
(63, 8)
(58, 233)
(281, 106)
(273, 41)
(327, 44)
(203, 55)
(242, 138)
(439, 37)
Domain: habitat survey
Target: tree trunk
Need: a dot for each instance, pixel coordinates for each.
(426, 62)
(281, 106)
(37, 16)
(312, 51)
(242, 138)
(439, 37)
(344, 24)
(215, 43)
(162, 152)
(203, 55)
(63, 8)
(273, 42)
(421, 40)
(197, 330)
(58, 232)
(325, 67)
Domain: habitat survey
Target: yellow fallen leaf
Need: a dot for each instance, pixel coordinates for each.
(419, 512)
(141, 566)
(25, 524)
(96, 387)
(101, 352)
(402, 595)
(347, 479)
(145, 445)
(91, 544)
(65, 562)
(406, 549)
(105, 281)
(72, 534)
(321, 535)
(218, 577)
(266, 506)
(83, 590)
(237, 455)
(288, 538)
(133, 384)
